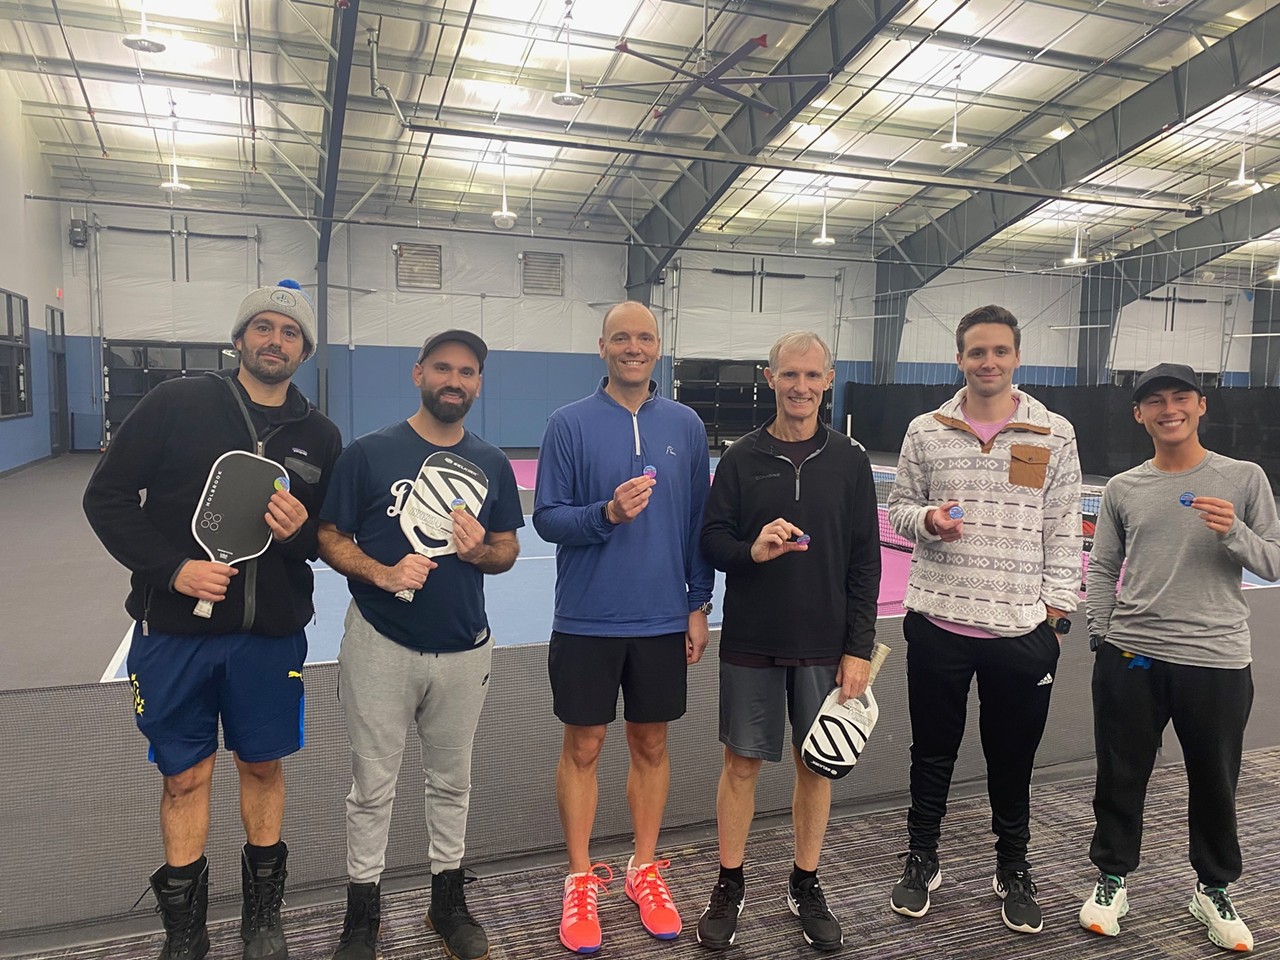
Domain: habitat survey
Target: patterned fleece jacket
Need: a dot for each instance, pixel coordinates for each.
(1020, 491)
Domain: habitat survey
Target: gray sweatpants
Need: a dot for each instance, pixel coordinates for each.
(384, 687)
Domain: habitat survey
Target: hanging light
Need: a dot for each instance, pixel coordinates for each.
(956, 145)
(1077, 257)
(142, 41)
(567, 97)
(822, 240)
(174, 184)
(1274, 275)
(504, 219)
(1242, 179)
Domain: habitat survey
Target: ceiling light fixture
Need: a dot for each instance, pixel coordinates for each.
(504, 219)
(1242, 179)
(1077, 257)
(822, 240)
(956, 145)
(1274, 275)
(141, 41)
(567, 97)
(174, 184)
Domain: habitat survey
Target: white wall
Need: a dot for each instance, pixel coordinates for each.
(739, 317)
(1151, 332)
(30, 237)
(481, 283)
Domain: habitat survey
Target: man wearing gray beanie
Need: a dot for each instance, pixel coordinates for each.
(243, 665)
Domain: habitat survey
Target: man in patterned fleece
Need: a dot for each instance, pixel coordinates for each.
(988, 487)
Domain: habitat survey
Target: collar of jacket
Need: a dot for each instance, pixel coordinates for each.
(767, 443)
(1032, 415)
(299, 406)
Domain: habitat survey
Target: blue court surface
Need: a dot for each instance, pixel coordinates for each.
(519, 603)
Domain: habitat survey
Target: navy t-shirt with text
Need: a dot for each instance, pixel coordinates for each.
(393, 471)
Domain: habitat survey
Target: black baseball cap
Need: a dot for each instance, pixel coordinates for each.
(465, 337)
(1165, 375)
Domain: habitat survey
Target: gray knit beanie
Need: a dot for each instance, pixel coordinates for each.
(286, 298)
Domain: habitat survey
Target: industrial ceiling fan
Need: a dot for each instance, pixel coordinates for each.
(709, 76)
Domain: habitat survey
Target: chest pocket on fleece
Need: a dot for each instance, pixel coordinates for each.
(1028, 465)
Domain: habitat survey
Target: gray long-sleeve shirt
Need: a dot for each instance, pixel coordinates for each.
(1180, 599)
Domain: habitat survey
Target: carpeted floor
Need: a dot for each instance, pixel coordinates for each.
(860, 864)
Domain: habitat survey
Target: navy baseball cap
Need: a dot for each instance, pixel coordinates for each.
(465, 337)
(1165, 375)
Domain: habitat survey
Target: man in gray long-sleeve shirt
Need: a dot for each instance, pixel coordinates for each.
(1174, 645)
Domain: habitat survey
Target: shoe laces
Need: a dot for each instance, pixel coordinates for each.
(453, 897)
(179, 928)
(1221, 901)
(915, 876)
(1018, 884)
(581, 892)
(725, 897)
(264, 903)
(649, 886)
(810, 900)
(1104, 894)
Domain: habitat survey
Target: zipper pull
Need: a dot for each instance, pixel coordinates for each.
(146, 630)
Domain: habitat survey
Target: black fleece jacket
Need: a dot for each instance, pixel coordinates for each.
(805, 605)
(165, 447)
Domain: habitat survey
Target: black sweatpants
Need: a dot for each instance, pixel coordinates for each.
(1209, 708)
(1015, 679)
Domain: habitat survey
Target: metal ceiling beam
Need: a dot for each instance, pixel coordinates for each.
(1205, 79)
(839, 33)
(1110, 286)
(337, 84)
(711, 168)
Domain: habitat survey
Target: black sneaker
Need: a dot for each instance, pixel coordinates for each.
(262, 884)
(1020, 912)
(718, 924)
(359, 939)
(910, 895)
(821, 928)
(464, 939)
(183, 905)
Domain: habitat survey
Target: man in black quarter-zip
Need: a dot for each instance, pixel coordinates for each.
(242, 665)
(792, 521)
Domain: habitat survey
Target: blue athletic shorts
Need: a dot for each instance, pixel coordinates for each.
(182, 684)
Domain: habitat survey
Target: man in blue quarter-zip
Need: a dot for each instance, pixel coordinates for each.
(792, 521)
(622, 480)
(242, 665)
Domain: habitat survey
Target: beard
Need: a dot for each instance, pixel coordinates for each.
(269, 373)
(446, 412)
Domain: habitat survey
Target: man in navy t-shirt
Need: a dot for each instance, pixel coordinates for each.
(417, 647)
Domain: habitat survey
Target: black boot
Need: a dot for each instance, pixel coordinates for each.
(464, 939)
(184, 905)
(263, 885)
(359, 940)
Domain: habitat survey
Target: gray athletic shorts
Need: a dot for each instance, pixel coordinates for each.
(754, 701)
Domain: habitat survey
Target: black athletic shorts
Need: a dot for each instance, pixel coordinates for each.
(587, 673)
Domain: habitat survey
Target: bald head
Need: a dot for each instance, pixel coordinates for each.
(629, 312)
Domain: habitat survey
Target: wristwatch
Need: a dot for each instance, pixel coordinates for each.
(705, 609)
(1059, 624)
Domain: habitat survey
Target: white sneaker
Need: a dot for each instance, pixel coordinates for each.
(1212, 906)
(1101, 913)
